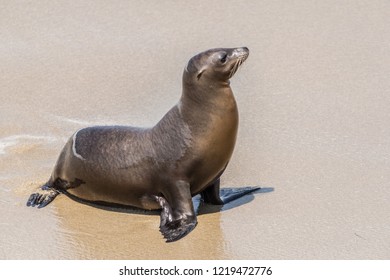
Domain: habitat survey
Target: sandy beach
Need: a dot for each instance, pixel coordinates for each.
(314, 105)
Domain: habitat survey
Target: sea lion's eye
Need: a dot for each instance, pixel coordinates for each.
(223, 58)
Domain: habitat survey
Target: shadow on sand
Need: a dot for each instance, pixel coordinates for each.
(199, 206)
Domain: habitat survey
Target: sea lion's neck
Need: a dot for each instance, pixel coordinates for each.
(205, 105)
(207, 96)
(209, 110)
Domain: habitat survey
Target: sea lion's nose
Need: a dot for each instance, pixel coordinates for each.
(245, 49)
(242, 51)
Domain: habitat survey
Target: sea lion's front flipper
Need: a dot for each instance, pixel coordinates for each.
(43, 196)
(178, 217)
(214, 195)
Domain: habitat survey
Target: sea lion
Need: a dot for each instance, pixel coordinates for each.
(161, 167)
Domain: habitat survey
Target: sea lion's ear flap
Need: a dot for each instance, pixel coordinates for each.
(200, 72)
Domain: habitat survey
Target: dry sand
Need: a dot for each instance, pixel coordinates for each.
(314, 103)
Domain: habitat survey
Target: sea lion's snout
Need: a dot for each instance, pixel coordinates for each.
(242, 52)
(238, 56)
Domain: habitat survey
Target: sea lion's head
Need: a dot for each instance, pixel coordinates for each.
(215, 65)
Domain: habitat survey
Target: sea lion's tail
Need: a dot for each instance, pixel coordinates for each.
(43, 196)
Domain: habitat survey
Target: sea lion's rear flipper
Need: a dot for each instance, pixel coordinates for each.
(229, 194)
(214, 195)
(43, 196)
(178, 217)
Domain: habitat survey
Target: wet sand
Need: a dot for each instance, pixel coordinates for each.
(314, 103)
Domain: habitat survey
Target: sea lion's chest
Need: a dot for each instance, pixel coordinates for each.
(213, 152)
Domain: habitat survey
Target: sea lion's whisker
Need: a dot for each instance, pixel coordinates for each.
(234, 69)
